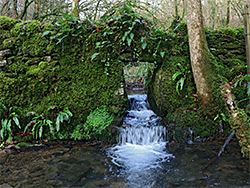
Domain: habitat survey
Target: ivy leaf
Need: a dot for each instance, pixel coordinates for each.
(94, 56)
(144, 45)
(41, 132)
(123, 38)
(176, 74)
(17, 122)
(129, 41)
(60, 40)
(53, 37)
(180, 84)
(132, 35)
(58, 123)
(46, 33)
(162, 54)
(217, 116)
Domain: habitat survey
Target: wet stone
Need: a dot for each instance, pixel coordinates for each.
(5, 186)
(35, 169)
(4, 53)
(3, 158)
(18, 185)
(37, 174)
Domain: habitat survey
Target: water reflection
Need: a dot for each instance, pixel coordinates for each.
(139, 163)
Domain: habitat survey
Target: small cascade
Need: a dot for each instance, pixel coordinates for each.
(141, 125)
(141, 144)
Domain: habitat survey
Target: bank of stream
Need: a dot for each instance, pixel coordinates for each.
(141, 158)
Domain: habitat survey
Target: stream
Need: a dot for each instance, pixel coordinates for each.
(141, 158)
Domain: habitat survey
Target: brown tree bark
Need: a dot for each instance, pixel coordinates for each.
(199, 52)
(37, 9)
(15, 8)
(228, 12)
(246, 15)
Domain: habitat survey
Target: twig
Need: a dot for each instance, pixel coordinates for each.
(225, 144)
(221, 150)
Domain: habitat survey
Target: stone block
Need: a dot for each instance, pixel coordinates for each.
(3, 63)
(47, 58)
(4, 53)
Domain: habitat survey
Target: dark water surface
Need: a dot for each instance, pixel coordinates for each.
(81, 165)
(142, 158)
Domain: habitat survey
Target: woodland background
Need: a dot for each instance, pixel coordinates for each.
(216, 13)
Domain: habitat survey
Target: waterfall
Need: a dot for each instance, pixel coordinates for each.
(141, 143)
(141, 125)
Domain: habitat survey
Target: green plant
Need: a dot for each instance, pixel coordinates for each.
(183, 73)
(2, 145)
(222, 116)
(8, 118)
(243, 80)
(40, 123)
(63, 115)
(68, 27)
(78, 133)
(95, 125)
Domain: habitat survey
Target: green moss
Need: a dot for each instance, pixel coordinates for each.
(69, 79)
(72, 77)
(7, 23)
(227, 47)
(241, 125)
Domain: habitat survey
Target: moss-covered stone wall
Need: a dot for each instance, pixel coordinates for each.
(44, 64)
(78, 64)
(183, 109)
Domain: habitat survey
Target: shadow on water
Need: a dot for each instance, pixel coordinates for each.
(141, 158)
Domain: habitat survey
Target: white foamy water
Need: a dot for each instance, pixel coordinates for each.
(141, 144)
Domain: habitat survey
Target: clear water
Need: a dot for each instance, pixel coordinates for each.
(142, 158)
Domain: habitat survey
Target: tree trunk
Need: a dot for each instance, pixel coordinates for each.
(27, 3)
(228, 12)
(238, 120)
(176, 9)
(37, 9)
(247, 35)
(15, 8)
(199, 53)
(75, 8)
